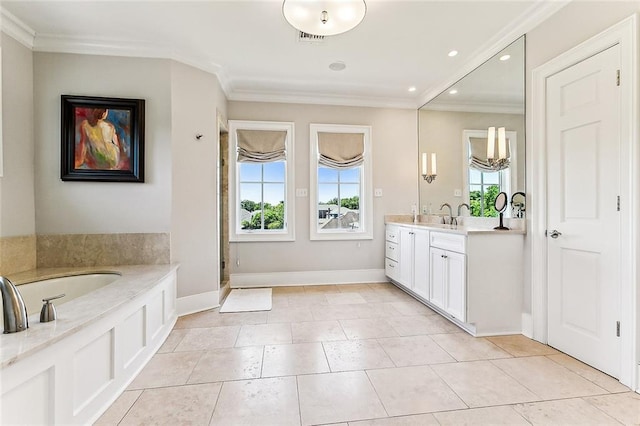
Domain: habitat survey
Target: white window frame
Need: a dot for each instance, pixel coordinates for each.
(236, 234)
(365, 231)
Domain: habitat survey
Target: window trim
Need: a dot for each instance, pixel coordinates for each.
(365, 232)
(235, 233)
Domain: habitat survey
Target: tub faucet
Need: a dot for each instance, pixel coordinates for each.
(450, 213)
(14, 311)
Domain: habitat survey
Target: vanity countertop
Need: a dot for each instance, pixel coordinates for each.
(407, 220)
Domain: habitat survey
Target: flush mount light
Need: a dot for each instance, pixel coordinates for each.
(412, 88)
(453, 53)
(324, 17)
(505, 57)
(337, 66)
(453, 91)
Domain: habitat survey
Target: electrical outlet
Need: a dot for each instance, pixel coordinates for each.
(302, 192)
(377, 192)
(457, 193)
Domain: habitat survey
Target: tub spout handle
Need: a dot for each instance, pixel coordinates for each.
(48, 311)
(14, 311)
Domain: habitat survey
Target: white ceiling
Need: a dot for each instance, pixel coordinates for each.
(256, 54)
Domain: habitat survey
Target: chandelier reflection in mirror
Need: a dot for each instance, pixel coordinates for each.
(502, 161)
(324, 17)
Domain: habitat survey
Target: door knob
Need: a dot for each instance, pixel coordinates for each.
(554, 234)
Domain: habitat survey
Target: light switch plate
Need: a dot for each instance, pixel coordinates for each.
(377, 192)
(457, 193)
(302, 192)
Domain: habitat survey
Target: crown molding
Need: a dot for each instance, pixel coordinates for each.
(529, 19)
(16, 28)
(490, 108)
(321, 99)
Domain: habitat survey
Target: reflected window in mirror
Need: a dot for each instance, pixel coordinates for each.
(483, 188)
(483, 182)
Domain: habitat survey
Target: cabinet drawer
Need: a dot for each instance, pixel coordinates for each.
(391, 251)
(391, 268)
(392, 234)
(446, 241)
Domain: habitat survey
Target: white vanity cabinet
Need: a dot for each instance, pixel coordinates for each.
(411, 266)
(448, 278)
(474, 277)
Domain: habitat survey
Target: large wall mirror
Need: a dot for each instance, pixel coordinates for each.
(487, 104)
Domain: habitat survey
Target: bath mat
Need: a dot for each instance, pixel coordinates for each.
(247, 300)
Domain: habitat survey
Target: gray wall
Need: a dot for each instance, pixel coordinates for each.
(196, 100)
(102, 207)
(17, 210)
(395, 147)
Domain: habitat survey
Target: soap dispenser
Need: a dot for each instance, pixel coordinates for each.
(48, 312)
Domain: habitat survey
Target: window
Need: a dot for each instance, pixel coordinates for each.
(341, 204)
(261, 181)
(484, 183)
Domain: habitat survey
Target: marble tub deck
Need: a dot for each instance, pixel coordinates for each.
(77, 313)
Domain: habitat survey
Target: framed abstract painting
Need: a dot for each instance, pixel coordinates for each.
(102, 139)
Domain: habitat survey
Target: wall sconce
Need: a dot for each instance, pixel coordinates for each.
(502, 161)
(429, 177)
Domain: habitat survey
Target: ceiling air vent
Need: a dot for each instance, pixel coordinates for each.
(310, 38)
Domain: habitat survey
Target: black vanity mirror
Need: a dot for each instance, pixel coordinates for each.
(500, 204)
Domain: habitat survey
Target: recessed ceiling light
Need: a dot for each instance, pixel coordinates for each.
(453, 53)
(505, 57)
(453, 91)
(337, 66)
(412, 88)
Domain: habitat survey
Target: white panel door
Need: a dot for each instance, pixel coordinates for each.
(438, 276)
(421, 263)
(583, 185)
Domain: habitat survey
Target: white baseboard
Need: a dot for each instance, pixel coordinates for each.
(527, 325)
(280, 279)
(197, 303)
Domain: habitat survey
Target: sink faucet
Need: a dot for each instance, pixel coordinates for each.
(450, 213)
(461, 206)
(14, 311)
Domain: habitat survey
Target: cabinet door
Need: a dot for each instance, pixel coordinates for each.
(405, 260)
(456, 286)
(421, 263)
(438, 276)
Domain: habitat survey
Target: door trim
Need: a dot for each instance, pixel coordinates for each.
(625, 34)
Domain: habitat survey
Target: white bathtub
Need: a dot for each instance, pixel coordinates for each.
(72, 286)
(70, 370)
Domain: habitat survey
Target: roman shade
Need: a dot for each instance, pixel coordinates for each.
(478, 155)
(340, 150)
(261, 146)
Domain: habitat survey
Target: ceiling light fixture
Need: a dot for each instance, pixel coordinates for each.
(453, 53)
(505, 57)
(412, 88)
(453, 91)
(324, 17)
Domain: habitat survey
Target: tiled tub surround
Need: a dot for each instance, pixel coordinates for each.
(69, 370)
(59, 250)
(366, 354)
(17, 254)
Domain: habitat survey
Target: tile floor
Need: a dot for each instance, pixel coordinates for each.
(363, 354)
